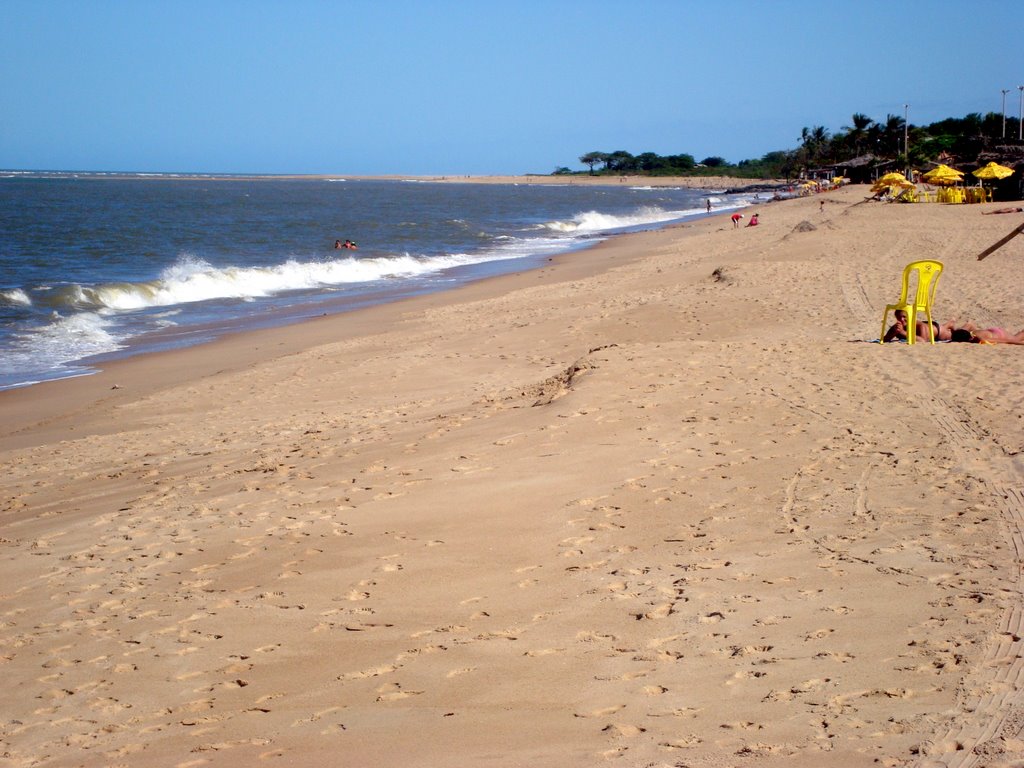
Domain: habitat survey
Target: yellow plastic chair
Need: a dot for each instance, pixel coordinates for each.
(927, 273)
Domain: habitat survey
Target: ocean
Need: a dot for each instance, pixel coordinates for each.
(96, 266)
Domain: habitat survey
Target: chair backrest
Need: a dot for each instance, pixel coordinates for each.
(927, 278)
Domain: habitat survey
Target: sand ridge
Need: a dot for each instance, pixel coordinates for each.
(672, 511)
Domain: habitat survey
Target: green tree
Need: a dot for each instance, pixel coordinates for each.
(714, 161)
(593, 158)
(621, 161)
(857, 133)
(682, 162)
(892, 135)
(650, 161)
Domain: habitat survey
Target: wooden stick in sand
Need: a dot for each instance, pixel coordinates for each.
(993, 248)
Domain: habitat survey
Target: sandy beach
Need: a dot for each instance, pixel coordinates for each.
(655, 504)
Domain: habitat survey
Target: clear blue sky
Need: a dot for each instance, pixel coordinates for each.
(475, 87)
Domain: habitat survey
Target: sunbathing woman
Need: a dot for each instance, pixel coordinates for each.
(970, 333)
(898, 330)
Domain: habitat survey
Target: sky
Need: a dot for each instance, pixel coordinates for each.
(475, 86)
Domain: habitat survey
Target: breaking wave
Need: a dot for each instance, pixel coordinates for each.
(14, 297)
(191, 280)
(593, 221)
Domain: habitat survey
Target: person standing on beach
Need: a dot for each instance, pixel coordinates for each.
(736, 220)
(709, 205)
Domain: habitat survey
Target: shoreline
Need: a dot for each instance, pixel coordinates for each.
(649, 505)
(116, 337)
(157, 341)
(242, 348)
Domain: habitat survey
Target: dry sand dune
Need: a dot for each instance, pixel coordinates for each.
(654, 505)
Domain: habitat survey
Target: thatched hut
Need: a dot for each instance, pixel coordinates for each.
(1012, 156)
(863, 169)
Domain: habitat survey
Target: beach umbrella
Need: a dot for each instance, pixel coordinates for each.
(993, 171)
(943, 174)
(891, 177)
(891, 180)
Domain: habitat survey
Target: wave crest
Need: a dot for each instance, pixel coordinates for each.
(191, 280)
(593, 221)
(15, 297)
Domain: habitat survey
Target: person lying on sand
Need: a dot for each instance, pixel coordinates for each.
(898, 330)
(971, 334)
(1003, 210)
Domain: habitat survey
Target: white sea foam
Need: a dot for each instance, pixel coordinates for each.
(192, 280)
(15, 296)
(593, 221)
(62, 340)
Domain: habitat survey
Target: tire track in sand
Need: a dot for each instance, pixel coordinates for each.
(989, 719)
(987, 725)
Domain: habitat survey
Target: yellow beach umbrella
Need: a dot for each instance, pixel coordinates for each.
(891, 177)
(943, 174)
(993, 171)
(890, 180)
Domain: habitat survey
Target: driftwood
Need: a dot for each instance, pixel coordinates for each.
(996, 246)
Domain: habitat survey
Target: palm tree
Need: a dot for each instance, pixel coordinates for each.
(892, 134)
(814, 143)
(857, 132)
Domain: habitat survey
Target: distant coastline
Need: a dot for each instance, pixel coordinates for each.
(689, 182)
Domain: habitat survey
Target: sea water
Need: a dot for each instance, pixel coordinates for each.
(94, 266)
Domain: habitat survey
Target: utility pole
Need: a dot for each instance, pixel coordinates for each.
(1005, 91)
(906, 134)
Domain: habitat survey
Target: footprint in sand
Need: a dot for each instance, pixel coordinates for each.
(682, 742)
(371, 672)
(624, 729)
(394, 692)
(603, 712)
